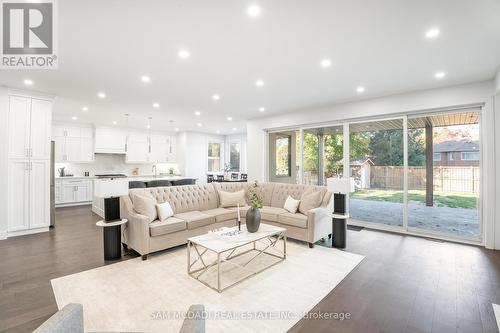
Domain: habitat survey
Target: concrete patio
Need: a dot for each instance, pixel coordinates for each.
(454, 221)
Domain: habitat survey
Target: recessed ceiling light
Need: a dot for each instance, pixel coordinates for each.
(156, 105)
(199, 124)
(148, 126)
(101, 95)
(360, 90)
(115, 122)
(145, 79)
(197, 113)
(74, 118)
(229, 118)
(432, 33)
(28, 82)
(215, 97)
(85, 109)
(183, 54)
(253, 11)
(262, 109)
(439, 75)
(326, 63)
(235, 129)
(177, 129)
(218, 132)
(259, 83)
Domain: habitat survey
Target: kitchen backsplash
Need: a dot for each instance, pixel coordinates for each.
(112, 163)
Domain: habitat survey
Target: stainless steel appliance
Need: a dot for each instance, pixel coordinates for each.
(52, 187)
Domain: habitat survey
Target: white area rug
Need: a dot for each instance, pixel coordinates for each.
(496, 310)
(136, 295)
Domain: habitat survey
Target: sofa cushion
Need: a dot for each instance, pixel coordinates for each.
(310, 200)
(168, 226)
(232, 199)
(221, 214)
(195, 219)
(145, 205)
(295, 220)
(271, 213)
(243, 210)
(164, 211)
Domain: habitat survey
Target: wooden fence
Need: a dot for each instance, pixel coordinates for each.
(446, 178)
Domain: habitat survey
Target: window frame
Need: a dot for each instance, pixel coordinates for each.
(236, 142)
(469, 159)
(289, 158)
(208, 158)
(434, 157)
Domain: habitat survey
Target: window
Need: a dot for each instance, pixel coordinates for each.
(436, 157)
(470, 156)
(453, 156)
(283, 155)
(214, 156)
(234, 156)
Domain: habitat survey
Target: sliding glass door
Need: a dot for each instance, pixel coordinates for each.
(376, 159)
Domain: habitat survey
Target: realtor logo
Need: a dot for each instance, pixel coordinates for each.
(28, 35)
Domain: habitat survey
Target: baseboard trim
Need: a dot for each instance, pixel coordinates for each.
(72, 204)
(26, 232)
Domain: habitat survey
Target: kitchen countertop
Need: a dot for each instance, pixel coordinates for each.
(138, 178)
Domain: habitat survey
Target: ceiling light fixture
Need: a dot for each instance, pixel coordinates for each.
(156, 105)
(262, 109)
(259, 83)
(360, 90)
(149, 122)
(253, 11)
(101, 95)
(440, 75)
(432, 33)
(28, 82)
(183, 54)
(218, 132)
(85, 109)
(197, 113)
(215, 97)
(145, 79)
(229, 118)
(325, 63)
(115, 122)
(177, 129)
(235, 129)
(199, 124)
(74, 118)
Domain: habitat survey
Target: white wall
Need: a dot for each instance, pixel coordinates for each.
(434, 99)
(4, 140)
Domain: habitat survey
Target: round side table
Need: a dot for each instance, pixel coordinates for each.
(339, 230)
(112, 238)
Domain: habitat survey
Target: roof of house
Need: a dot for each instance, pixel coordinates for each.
(362, 161)
(456, 145)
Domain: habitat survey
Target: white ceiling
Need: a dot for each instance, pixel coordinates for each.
(379, 44)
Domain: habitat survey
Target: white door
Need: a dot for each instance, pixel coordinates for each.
(41, 124)
(138, 148)
(39, 194)
(159, 148)
(18, 198)
(83, 192)
(73, 149)
(72, 131)
(68, 192)
(19, 126)
(60, 148)
(87, 150)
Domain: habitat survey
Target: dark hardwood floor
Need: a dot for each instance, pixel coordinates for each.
(405, 284)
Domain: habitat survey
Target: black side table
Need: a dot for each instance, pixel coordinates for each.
(112, 238)
(339, 230)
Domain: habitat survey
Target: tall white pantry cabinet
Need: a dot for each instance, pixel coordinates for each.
(28, 202)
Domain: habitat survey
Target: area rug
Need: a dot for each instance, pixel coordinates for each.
(153, 295)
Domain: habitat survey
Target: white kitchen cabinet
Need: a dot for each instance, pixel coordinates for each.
(73, 143)
(110, 140)
(28, 202)
(73, 191)
(162, 149)
(138, 148)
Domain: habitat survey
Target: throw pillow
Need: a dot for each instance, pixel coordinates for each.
(164, 211)
(232, 199)
(291, 205)
(145, 205)
(309, 201)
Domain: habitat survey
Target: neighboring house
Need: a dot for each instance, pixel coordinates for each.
(463, 152)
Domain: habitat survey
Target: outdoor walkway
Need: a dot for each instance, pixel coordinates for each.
(456, 221)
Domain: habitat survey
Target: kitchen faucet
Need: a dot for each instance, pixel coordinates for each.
(153, 168)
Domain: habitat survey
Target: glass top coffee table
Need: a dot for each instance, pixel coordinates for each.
(234, 255)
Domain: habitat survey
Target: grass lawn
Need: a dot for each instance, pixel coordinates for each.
(441, 199)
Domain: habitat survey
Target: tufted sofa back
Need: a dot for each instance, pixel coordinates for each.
(183, 198)
(282, 191)
(265, 189)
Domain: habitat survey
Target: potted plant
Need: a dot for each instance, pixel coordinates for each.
(171, 170)
(227, 168)
(253, 214)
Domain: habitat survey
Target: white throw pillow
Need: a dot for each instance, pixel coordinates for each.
(291, 205)
(164, 211)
